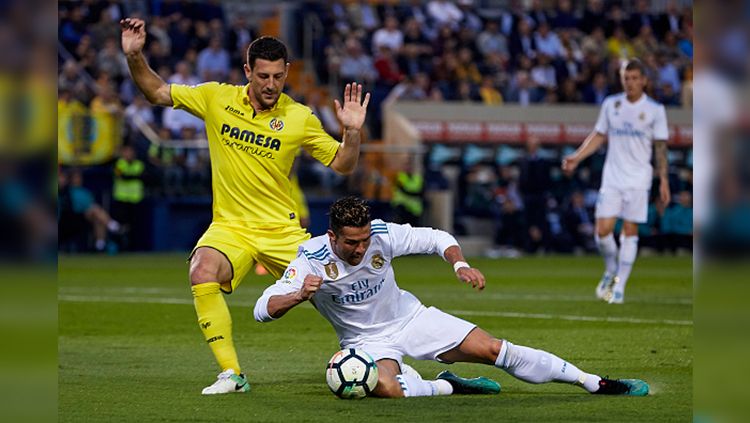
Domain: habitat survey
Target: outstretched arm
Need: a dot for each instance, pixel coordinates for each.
(352, 116)
(589, 146)
(148, 82)
(464, 272)
(662, 169)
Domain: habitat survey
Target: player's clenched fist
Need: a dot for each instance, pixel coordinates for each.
(310, 286)
(471, 276)
(133, 35)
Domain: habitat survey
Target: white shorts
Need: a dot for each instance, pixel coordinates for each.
(629, 204)
(431, 333)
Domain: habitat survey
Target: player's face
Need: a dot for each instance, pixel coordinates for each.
(267, 80)
(634, 82)
(351, 243)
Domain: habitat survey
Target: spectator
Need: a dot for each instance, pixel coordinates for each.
(569, 92)
(522, 90)
(239, 36)
(106, 100)
(564, 16)
(466, 68)
(593, 16)
(470, 20)
(111, 60)
(388, 36)
(669, 21)
(175, 119)
(645, 42)
(414, 88)
(77, 209)
(618, 46)
(444, 12)
(543, 74)
(356, 65)
(597, 91)
(534, 183)
(324, 112)
(387, 68)
(181, 34)
(363, 15)
(538, 15)
(489, 94)
(128, 191)
(641, 17)
(595, 42)
(667, 73)
(213, 62)
(579, 222)
(491, 41)
(139, 113)
(677, 223)
(522, 42)
(547, 42)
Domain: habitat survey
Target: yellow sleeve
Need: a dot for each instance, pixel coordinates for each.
(317, 142)
(193, 98)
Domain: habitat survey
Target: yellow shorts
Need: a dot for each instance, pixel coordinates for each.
(245, 246)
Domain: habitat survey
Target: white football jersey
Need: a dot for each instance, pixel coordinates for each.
(362, 302)
(631, 129)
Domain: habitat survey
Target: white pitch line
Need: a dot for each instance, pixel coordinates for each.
(670, 322)
(473, 296)
(187, 301)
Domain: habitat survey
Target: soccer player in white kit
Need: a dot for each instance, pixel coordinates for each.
(347, 275)
(633, 125)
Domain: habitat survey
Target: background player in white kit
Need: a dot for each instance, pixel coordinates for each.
(634, 125)
(347, 275)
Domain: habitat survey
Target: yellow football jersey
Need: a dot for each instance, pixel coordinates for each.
(252, 152)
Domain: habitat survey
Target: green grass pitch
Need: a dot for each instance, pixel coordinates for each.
(130, 348)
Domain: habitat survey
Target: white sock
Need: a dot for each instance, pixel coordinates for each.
(414, 386)
(409, 371)
(100, 244)
(608, 249)
(113, 225)
(537, 366)
(628, 253)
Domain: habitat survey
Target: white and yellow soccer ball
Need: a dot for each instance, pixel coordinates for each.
(351, 373)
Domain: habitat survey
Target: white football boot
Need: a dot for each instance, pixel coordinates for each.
(228, 382)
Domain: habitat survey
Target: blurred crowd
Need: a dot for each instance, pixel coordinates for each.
(529, 52)
(524, 52)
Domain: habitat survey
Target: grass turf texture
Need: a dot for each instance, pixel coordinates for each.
(130, 349)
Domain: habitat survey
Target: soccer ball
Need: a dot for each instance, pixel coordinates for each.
(351, 373)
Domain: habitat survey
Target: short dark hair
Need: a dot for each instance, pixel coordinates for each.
(266, 48)
(635, 64)
(348, 211)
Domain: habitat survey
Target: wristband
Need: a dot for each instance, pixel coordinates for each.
(459, 264)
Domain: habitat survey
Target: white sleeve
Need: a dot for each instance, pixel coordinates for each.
(406, 240)
(661, 131)
(602, 123)
(291, 281)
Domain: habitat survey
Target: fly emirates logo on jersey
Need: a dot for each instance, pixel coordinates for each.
(360, 291)
(246, 141)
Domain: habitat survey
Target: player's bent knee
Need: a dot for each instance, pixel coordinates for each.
(203, 271)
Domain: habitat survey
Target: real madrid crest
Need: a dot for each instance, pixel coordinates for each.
(642, 116)
(377, 261)
(331, 270)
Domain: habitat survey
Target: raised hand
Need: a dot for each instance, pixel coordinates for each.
(471, 276)
(133, 35)
(352, 113)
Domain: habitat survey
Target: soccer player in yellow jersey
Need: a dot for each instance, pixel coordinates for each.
(254, 132)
